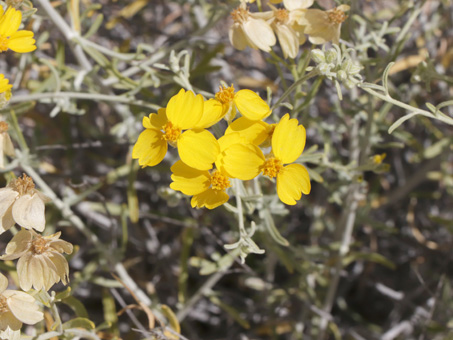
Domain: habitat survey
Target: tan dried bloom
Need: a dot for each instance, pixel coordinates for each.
(251, 29)
(21, 203)
(285, 23)
(41, 263)
(6, 145)
(16, 308)
(324, 26)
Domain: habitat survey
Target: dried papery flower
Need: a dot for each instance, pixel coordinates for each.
(16, 308)
(21, 203)
(324, 26)
(6, 145)
(285, 23)
(41, 263)
(251, 29)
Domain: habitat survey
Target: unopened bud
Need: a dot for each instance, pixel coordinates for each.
(331, 56)
(342, 75)
(325, 68)
(318, 56)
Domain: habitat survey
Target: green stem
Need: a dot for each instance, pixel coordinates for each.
(20, 135)
(88, 96)
(239, 208)
(367, 87)
(294, 86)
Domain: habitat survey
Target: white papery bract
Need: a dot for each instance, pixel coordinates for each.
(41, 263)
(251, 29)
(16, 308)
(21, 203)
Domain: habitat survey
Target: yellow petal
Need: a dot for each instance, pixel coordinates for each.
(185, 109)
(198, 149)
(155, 121)
(10, 22)
(231, 138)
(4, 86)
(243, 161)
(188, 180)
(254, 132)
(22, 42)
(292, 181)
(150, 148)
(210, 199)
(212, 113)
(288, 140)
(250, 105)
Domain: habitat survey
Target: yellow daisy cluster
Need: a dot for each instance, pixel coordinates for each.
(208, 164)
(289, 25)
(12, 38)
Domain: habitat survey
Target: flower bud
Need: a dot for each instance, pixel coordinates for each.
(325, 68)
(342, 75)
(318, 56)
(331, 56)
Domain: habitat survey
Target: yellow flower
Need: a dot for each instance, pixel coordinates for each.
(255, 132)
(6, 145)
(249, 29)
(238, 157)
(288, 142)
(10, 37)
(207, 187)
(41, 263)
(197, 147)
(247, 102)
(4, 86)
(5, 91)
(16, 307)
(324, 26)
(21, 203)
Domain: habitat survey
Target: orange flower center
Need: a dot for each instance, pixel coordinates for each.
(23, 185)
(240, 15)
(219, 181)
(3, 44)
(272, 167)
(3, 127)
(225, 94)
(281, 15)
(3, 305)
(337, 16)
(39, 245)
(171, 133)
